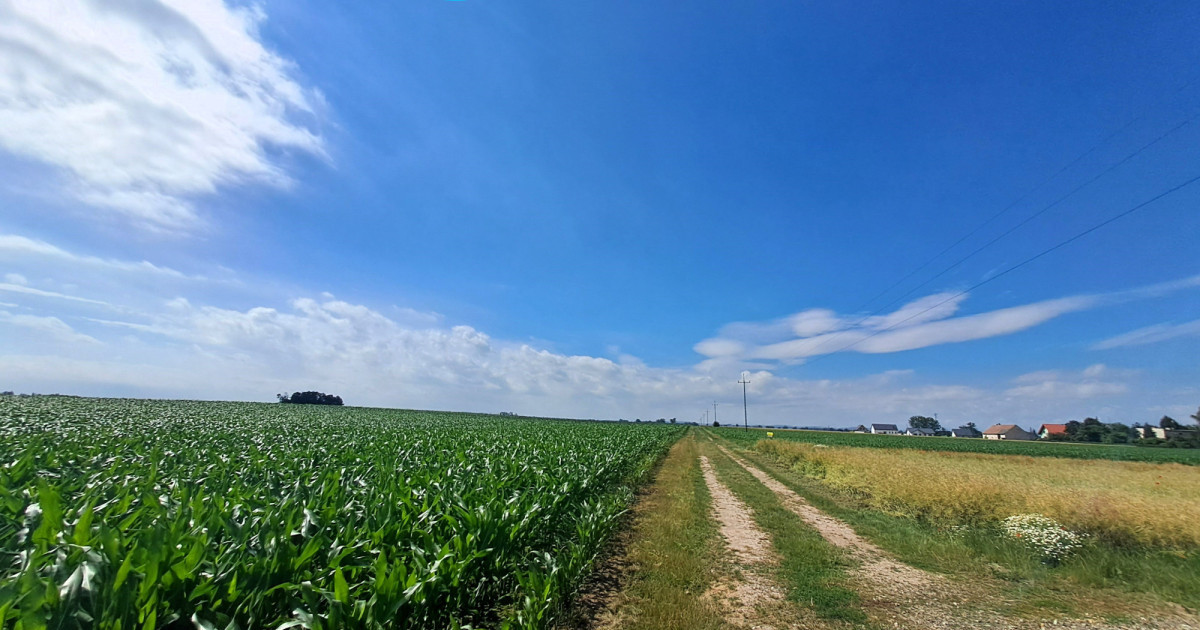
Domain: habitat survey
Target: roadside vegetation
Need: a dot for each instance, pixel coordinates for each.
(672, 555)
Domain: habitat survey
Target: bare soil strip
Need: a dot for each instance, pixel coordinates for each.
(754, 600)
(902, 596)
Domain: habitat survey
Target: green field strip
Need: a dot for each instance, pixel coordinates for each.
(1113, 452)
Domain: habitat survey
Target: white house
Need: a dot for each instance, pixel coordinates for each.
(918, 431)
(1007, 432)
(885, 429)
(1163, 434)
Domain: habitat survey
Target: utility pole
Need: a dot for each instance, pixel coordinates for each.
(714, 412)
(745, 416)
(706, 417)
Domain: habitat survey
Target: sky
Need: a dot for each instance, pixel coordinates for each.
(607, 210)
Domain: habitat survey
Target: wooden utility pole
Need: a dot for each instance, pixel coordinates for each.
(745, 416)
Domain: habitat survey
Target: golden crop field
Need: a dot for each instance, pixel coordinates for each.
(1124, 503)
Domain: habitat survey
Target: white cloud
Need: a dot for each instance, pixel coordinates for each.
(1056, 384)
(919, 324)
(925, 322)
(14, 247)
(968, 328)
(1151, 334)
(50, 328)
(18, 288)
(15, 278)
(926, 309)
(184, 349)
(147, 106)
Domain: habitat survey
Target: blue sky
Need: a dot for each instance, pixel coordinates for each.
(594, 210)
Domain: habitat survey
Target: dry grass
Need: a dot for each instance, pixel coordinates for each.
(1122, 503)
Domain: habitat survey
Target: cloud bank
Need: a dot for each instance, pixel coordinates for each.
(83, 324)
(143, 107)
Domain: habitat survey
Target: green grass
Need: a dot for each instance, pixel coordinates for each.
(1091, 581)
(1116, 452)
(134, 513)
(813, 571)
(672, 550)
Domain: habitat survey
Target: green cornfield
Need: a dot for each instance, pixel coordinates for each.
(1114, 452)
(122, 514)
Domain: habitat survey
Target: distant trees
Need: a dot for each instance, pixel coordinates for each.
(924, 422)
(716, 424)
(1196, 416)
(1168, 422)
(310, 398)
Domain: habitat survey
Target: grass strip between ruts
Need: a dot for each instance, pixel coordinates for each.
(812, 570)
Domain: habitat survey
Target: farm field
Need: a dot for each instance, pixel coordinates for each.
(149, 514)
(1115, 452)
(769, 534)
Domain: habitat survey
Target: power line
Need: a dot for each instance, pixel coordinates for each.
(1016, 227)
(1039, 213)
(1044, 252)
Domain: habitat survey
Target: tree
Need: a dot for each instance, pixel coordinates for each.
(310, 398)
(1168, 422)
(1196, 416)
(716, 424)
(1117, 433)
(924, 422)
(971, 426)
(1091, 430)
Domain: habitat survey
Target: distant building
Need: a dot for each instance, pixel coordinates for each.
(1047, 430)
(861, 429)
(920, 432)
(965, 432)
(1164, 434)
(885, 429)
(1007, 432)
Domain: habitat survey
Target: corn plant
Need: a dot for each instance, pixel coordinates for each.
(122, 514)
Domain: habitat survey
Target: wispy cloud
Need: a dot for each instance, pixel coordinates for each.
(1151, 334)
(929, 321)
(147, 106)
(14, 247)
(925, 322)
(50, 328)
(20, 288)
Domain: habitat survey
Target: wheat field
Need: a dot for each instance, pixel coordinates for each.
(1120, 503)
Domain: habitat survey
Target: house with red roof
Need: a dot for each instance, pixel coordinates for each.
(1046, 430)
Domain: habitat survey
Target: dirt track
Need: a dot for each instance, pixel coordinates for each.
(751, 599)
(902, 596)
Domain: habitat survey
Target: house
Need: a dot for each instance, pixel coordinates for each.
(918, 431)
(1007, 432)
(884, 429)
(965, 432)
(1046, 430)
(1163, 434)
(861, 429)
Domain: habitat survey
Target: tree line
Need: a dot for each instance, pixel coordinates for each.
(310, 398)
